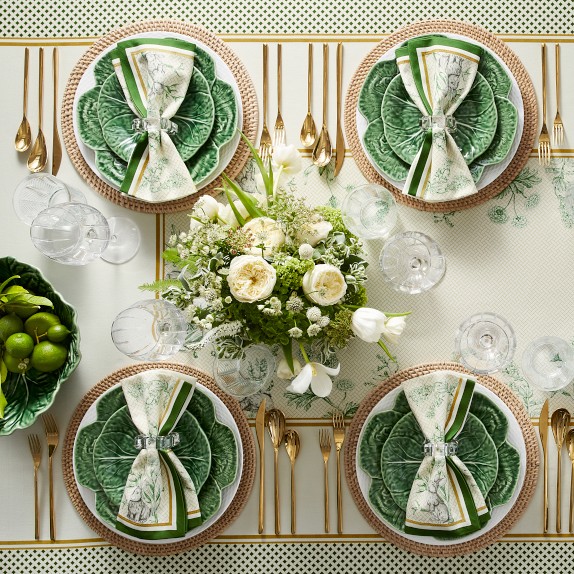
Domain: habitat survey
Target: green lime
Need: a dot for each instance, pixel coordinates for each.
(10, 324)
(19, 345)
(37, 325)
(58, 333)
(15, 365)
(48, 356)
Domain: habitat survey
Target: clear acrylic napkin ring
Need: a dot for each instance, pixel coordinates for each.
(442, 122)
(141, 125)
(440, 448)
(159, 442)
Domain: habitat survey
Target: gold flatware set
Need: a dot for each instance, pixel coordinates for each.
(38, 155)
(52, 440)
(563, 437)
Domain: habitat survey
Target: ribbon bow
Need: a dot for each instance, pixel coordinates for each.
(444, 499)
(438, 73)
(159, 499)
(154, 75)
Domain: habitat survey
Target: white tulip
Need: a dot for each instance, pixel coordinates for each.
(227, 214)
(368, 324)
(250, 278)
(316, 376)
(314, 232)
(284, 371)
(286, 159)
(206, 206)
(394, 328)
(324, 285)
(266, 232)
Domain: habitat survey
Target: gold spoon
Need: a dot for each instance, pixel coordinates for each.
(24, 134)
(570, 447)
(559, 422)
(309, 131)
(322, 151)
(39, 155)
(292, 445)
(276, 426)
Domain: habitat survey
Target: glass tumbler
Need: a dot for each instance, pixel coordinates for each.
(370, 211)
(150, 330)
(412, 262)
(548, 363)
(246, 375)
(485, 343)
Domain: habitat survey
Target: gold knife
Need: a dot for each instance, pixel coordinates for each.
(260, 431)
(543, 431)
(56, 145)
(340, 143)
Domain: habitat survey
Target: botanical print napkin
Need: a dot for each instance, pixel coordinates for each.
(154, 75)
(444, 499)
(438, 73)
(160, 499)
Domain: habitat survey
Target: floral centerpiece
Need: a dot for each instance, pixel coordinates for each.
(267, 268)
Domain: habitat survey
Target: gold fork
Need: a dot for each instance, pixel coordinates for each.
(339, 436)
(265, 140)
(325, 444)
(558, 128)
(279, 133)
(36, 450)
(544, 149)
(52, 438)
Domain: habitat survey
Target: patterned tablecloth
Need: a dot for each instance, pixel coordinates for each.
(512, 255)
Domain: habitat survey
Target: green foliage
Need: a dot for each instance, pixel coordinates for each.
(339, 331)
(161, 286)
(290, 274)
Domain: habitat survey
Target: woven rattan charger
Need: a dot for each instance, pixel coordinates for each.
(230, 514)
(453, 549)
(494, 45)
(248, 102)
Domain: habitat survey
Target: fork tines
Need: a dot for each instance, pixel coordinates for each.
(558, 127)
(35, 447)
(544, 147)
(50, 425)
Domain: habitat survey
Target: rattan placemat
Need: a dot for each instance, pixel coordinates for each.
(248, 102)
(452, 548)
(163, 549)
(492, 43)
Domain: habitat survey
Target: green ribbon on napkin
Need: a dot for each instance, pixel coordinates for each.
(159, 499)
(444, 500)
(438, 73)
(155, 75)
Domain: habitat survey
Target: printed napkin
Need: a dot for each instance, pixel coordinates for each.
(155, 75)
(438, 73)
(444, 499)
(159, 500)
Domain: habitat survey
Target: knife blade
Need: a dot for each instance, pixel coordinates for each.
(543, 431)
(56, 144)
(340, 142)
(260, 432)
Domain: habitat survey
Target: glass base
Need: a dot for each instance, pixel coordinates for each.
(485, 343)
(548, 363)
(125, 239)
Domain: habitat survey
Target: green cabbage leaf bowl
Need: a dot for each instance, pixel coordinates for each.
(32, 393)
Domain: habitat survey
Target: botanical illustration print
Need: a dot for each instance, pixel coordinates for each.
(434, 499)
(433, 395)
(515, 198)
(143, 491)
(562, 172)
(533, 399)
(446, 218)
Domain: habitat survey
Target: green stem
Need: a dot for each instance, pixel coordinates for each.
(386, 350)
(276, 178)
(304, 353)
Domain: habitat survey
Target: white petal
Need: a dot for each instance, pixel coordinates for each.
(321, 385)
(302, 381)
(332, 371)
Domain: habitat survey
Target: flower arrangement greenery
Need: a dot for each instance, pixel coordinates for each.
(267, 268)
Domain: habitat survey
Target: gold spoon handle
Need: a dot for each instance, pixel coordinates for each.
(261, 491)
(571, 521)
(327, 518)
(55, 63)
(325, 80)
(545, 517)
(265, 81)
(277, 508)
(41, 88)
(557, 64)
(279, 77)
(26, 63)
(293, 499)
(558, 497)
(339, 496)
(309, 77)
(339, 81)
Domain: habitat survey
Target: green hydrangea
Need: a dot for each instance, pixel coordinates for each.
(339, 331)
(357, 296)
(290, 271)
(335, 218)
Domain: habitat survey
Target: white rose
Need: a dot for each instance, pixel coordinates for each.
(314, 232)
(251, 278)
(266, 232)
(324, 285)
(394, 328)
(207, 206)
(227, 214)
(284, 372)
(368, 324)
(287, 159)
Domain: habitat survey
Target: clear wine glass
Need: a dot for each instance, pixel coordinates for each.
(485, 343)
(247, 374)
(76, 234)
(370, 211)
(150, 330)
(548, 363)
(412, 262)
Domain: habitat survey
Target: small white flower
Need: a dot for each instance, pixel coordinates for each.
(324, 285)
(314, 232)
(266, 232)
(207, 206)
(316, 376)
(313, 314)
(306, 251)
(323, 321)
(194, 224)
(228, 300)
(284, 372)
(251, 278)
(286, 158)
(295, 332)
(313, 330)
(294, 303)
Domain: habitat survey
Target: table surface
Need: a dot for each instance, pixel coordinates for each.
(512, 255)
